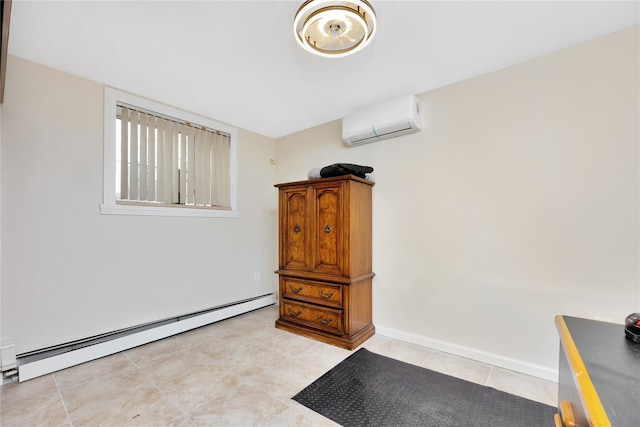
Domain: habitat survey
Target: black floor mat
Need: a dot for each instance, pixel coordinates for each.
(367, 389)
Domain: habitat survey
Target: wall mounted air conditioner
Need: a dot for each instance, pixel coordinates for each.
(393, 118)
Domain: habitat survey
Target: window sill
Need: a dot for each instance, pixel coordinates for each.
(117, 209)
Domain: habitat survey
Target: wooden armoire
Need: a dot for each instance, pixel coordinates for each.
(325, 259)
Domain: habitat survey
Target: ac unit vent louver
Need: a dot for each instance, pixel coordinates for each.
(393, 118)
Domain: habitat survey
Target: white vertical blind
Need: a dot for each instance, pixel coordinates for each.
(133, 157)
(186, 164)
(190, 194)
(184, 135)
(160, 159)
(168, 159)
(202, 146)
(172, 162)
(151, 158)
(144, 118)
(213, 159)
(221, 158)
(124, 154)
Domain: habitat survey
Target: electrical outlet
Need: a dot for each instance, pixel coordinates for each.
(256, 276)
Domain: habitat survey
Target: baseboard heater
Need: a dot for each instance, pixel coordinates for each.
(42, 362)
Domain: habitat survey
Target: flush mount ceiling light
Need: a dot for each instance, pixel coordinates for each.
(334, 28)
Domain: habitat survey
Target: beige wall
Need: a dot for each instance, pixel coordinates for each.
(518, 201)
(69, 272)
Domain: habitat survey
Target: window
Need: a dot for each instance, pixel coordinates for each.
(159, 160)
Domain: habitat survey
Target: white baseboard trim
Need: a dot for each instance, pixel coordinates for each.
(470, 353)
(47, 365)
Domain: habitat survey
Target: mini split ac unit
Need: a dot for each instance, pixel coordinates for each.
(393, 118)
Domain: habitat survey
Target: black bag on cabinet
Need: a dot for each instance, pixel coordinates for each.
(339, 169)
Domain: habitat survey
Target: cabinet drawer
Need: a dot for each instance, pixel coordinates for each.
(327, 319)
(314, 292)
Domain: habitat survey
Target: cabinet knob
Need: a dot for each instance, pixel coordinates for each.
(294, 290)
(327, 229)
(296, 228)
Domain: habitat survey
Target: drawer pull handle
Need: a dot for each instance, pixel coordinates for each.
(327, 229)
(294, 313)
(324, 321)
(294, 290)
(325, 296)
(296, 228)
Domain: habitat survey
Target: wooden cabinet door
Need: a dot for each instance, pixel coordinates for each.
(328, 229)
(295, 229)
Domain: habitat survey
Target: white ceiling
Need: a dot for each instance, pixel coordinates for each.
(237, 61)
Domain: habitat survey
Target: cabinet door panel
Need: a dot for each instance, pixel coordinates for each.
(328, 230)
(295, 229)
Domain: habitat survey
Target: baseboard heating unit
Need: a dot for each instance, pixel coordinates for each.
(45, 361)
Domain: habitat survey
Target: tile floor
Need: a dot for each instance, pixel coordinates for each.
(238, 372)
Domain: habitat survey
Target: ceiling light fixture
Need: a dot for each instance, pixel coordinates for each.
(333, 28)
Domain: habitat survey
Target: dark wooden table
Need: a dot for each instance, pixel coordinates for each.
(599, 374)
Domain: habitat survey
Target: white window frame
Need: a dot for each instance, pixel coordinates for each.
(109, 205)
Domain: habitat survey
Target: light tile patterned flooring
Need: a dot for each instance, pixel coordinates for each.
(238, 372)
